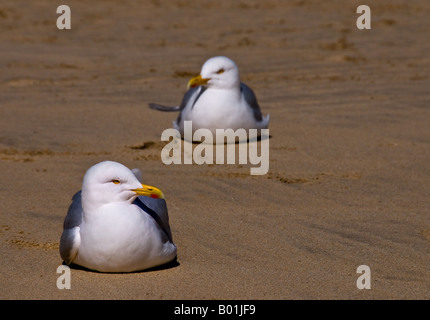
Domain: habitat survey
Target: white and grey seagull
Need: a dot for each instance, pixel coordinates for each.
(217, 99)
(116, 223)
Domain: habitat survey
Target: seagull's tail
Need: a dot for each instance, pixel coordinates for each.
(160, 107)
(264, 123)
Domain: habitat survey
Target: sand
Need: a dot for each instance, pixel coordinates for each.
(348, 182)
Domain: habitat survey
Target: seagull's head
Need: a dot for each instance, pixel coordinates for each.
(217, 72)
(110, 181)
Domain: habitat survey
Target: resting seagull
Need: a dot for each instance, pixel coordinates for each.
(116, 223)
(216, 99)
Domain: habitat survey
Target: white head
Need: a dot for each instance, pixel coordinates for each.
(110, 181)
(217, 72)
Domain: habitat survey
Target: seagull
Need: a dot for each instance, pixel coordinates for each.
(116, 223)
(217, 99)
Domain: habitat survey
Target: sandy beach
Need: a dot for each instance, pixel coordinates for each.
(348, 181)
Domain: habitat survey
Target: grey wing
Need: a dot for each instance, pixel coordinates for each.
(251, 99)
(71, 239)
(157, 209)
(185, 100)
(191, 96)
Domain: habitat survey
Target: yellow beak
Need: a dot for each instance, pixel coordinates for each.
(197, 81)
(149, 191)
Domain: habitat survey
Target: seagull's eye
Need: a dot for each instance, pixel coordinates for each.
(116, 181)
(220, 71)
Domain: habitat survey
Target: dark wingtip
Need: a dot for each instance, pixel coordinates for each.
(160, 107)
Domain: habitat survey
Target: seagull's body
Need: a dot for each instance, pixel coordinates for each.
(116, 224)
(216, 99)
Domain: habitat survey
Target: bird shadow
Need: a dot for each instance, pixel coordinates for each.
(169, 265)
